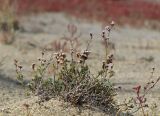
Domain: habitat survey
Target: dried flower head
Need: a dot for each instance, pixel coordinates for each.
(103, 33)
(112, 23)
(72, 29)
(33, 66)
(91, 35)
(20, 67)
(26, 105)
(107, 28)
(83, 56)
(42, 53)
(60, 57)
(137, 89)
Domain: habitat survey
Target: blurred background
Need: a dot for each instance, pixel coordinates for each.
(133, 12)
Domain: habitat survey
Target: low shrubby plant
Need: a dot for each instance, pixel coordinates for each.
(70, 77)
(67, 40)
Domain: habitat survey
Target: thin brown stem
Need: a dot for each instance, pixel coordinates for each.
(142, 109)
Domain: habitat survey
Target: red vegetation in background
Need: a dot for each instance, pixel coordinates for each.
(119, 10)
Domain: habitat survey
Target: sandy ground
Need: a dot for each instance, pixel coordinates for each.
(137, 51)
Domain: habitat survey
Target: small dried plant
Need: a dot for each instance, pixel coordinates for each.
(73, 37)
(58, 45)
(27, 108)
(67, 42)
(20, 76)
(8, 22)
(71, 79)
(108, 45)
(139, 102)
